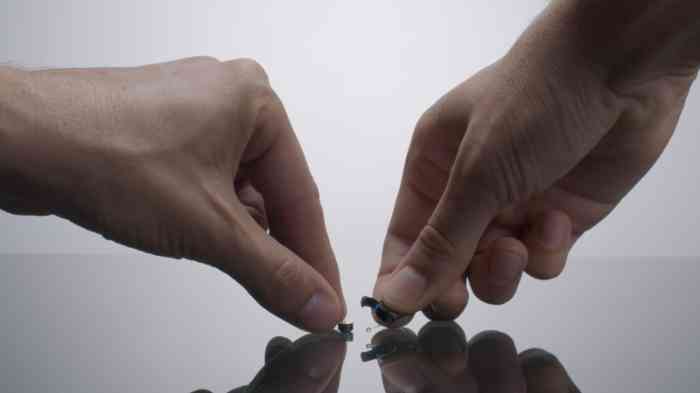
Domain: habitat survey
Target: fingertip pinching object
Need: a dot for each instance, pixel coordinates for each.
(383, 315)
(345, 328)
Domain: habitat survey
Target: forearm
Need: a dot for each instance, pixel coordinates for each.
(30, 176)
(13, 123)
(622, 39)
(11, 86)
(644, 33)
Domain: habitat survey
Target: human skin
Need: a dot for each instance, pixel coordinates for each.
(511, 167)
(313, 363)
(190, 159)
(440, 359)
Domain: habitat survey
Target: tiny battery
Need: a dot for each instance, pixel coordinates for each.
(346, 327)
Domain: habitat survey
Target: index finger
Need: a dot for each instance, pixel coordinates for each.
(292, 202)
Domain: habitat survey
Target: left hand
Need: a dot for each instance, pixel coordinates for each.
(193, 159)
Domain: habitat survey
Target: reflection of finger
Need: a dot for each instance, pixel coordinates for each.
(445, 344)
(412, 373)
(548, 240)
(275, 347)
(392, 343)
(442, 337)
(309, 365)
(494, 274)
(334, 384)
(433, 361)
(544, 373)
(389, 386)
(450, 304)
(494, 363)
(402, 367)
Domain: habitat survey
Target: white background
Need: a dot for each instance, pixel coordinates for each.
(355, 76)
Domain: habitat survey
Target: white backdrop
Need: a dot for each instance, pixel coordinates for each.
(355, 76)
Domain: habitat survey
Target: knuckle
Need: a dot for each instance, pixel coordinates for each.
(263, 96)
(512, 175)
(427, 169)
(249, 79)
(426, 124)
(474, 185)
(250, 68)
(259, 103)
(290, 274)
(500, 167)
(424, 180)
(435, 246)
(201, 60)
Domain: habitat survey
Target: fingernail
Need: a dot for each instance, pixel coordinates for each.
(506, 268)
(405, 290)
(551, 232)
(320, 312)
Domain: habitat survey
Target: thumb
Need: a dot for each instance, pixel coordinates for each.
(441, 253)
(291, 271)
(444, 245)
(288, 286)
(498, 165)
(275, 276)
(437, 221)
(300, 259)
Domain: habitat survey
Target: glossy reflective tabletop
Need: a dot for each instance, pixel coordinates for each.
(143, 324)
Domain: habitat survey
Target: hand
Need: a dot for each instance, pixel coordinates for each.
(510, 168)
(311, 364)
(448, 363)
(190, 159)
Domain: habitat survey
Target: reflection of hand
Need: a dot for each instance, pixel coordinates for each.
(312, 364)
(194, 158)
(510, 168)
(439, 359)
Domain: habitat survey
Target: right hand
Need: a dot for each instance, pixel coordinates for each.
(511, 167)
(448, 363)
(191, 159)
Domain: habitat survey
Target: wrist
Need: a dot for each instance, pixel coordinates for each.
(629, 39)
(30, 178)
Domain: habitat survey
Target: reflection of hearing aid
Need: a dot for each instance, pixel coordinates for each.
(345, 328)
(390, 343)
(383, 315)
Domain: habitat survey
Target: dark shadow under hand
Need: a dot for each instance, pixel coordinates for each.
(311, 364)
(440, 359)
